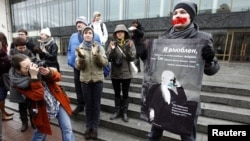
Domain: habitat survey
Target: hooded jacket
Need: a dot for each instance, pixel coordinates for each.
(122, 72)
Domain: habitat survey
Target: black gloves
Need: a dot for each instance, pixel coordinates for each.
(208, 54)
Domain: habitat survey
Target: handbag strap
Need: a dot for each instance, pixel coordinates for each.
(122, 52)
(125, 57)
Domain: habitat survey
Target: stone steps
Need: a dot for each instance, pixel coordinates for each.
(113, 130)
(221, 104)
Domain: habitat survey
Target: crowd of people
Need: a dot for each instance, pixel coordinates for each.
(34, 72)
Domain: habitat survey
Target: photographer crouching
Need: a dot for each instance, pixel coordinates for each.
(48, 100)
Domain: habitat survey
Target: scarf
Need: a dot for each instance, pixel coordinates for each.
(120, 42)
(189, 32)
(45, 43)
(88, 44)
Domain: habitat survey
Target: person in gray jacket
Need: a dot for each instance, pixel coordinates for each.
(120, 53)
(90, 60)
(183, 27)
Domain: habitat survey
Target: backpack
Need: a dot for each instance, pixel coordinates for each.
(100, 25)
(106, 70)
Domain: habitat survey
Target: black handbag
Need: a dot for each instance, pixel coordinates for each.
(118, 61)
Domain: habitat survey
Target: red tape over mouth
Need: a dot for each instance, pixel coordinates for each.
(179, 21)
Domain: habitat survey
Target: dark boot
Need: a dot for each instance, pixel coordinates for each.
(5, 116)
(125, 110)
(137, 64)
(24, 126)
(117, 109)
(23, 116)
(31, 122)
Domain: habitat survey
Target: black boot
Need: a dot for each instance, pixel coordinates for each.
(125, 110)
(24, 126)
(117, 109)
(23, 116)
(137, 64)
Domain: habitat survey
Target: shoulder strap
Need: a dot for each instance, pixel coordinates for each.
(121, 51)
(102, 27)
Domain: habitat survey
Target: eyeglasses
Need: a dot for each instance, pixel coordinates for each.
(21, 34)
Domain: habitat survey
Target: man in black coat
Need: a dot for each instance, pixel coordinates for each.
(183, 27)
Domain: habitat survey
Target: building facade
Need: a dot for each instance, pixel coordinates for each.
(227, 20)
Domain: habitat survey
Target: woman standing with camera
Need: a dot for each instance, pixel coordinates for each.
(120, 53)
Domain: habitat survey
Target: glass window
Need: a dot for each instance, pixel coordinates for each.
(223, 6)
(158, 8)
(81, 8)
(133, 11)
(206, 6)
(240, 5)
(114, 10)
(53, 7)
(98, 5)
(44, 19)
(67, 17)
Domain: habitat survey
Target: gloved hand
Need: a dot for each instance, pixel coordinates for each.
(80, 53)
(208, 54)
(94, 49)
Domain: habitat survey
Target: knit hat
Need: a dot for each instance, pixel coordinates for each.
(82, 19)
(88, 27)
(96, 13)
(46, 31)
(189, 6)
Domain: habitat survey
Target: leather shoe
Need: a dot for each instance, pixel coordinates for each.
(94, 134)
(78, 109)
(24, 127)
(87, 134)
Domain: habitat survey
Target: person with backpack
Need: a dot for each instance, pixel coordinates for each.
(75, 40)
(99, 27)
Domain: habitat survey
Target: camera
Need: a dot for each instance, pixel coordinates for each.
(42, 64)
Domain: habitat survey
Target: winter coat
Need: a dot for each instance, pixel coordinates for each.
(101, 31)
(4, 65)
(121, 72)
(35, 92)
(15, 96)
(74, 42)
(50, 55)
(137, 37)
(91, 66)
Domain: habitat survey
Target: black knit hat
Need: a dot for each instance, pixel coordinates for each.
(189, 6)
